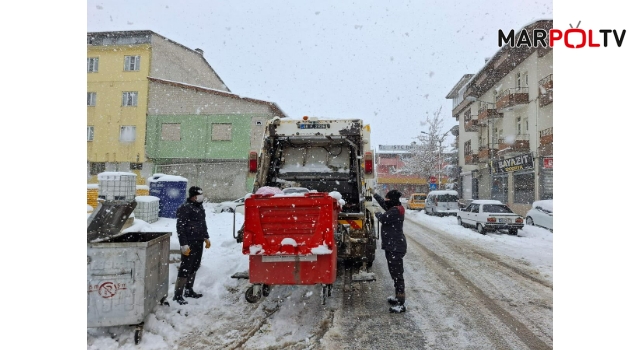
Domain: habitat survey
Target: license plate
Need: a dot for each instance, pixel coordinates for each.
(504, 221)
(288, 258)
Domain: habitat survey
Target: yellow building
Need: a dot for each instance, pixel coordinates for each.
(118, 65)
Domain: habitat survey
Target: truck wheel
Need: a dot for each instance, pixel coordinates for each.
(481, 229)
(250, 297)
(371, 252)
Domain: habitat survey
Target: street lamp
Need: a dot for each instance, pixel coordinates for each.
(439, 154)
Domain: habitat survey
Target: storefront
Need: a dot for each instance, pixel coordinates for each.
(514, 182)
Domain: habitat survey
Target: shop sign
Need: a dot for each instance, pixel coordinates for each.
(547, 162)
(521, 162)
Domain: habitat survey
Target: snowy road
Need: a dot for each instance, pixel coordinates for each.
(464, 291)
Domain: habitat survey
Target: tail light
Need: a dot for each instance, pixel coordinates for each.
(491, 219)
(518, 220)
(253, 162)
(368, 163)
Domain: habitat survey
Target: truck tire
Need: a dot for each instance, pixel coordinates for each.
(371, 252)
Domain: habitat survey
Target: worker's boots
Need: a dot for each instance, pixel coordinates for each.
(188, 292)
(397, 303)
(177, 295)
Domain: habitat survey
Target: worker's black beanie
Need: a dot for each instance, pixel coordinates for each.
(394, 197)
(194, 191)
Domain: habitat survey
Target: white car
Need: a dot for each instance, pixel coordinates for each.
(290, 190)
(490, 215)
(541, 214)
(228, 206)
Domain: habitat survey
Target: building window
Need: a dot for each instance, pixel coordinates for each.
(91, 99)
(523, 185)
(220, 132)
(518, 80)
(131, 63)
(127, 133)
(519, 125)
(92, 65)
(130, 98)
(90, 133)
(135, 166)
(525, 123)
(96, 168)
(170, 132)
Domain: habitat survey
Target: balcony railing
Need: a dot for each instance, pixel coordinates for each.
(546, 136)
(485, 153)
(546, 90)
(471, 125)
(512, 97)
(520, 144)
(486, 111)
(470, 159)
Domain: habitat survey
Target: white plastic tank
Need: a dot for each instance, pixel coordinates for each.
(117, 186)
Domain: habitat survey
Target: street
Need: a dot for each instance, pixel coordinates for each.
(460, 295)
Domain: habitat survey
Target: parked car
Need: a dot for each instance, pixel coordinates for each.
(541, 214)
(441, 203)
(416, 201)
(490, 215)
(290, 190)
(228, 206)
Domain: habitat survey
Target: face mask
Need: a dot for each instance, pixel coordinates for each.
(199, 198)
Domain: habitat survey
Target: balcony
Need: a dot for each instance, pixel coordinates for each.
(512, 97)
(487, 111)
(470, 125)
(485, 154)
(545, 86)
(520, 144)
(546, 142)
(470, 159)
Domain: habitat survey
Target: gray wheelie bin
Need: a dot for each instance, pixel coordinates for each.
(127, 274)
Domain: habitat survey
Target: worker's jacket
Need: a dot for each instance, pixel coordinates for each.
(391, 233)
(191, 225)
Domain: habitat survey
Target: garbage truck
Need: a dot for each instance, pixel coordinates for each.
(324, 156)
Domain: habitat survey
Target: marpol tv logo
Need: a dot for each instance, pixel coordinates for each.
(573, 38)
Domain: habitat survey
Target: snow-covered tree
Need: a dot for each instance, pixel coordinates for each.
(425, 156)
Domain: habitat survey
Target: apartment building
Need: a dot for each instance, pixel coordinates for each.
(505, 118)
(156, 106)
(118, 65)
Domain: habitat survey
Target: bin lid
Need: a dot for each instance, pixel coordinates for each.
(107, 220)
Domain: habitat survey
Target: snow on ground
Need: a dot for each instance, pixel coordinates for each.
(534, 244)
(223, 302)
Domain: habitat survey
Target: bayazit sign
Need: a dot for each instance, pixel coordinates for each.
(521, 162)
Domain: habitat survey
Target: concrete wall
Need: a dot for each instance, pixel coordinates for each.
(177, 63)
(219, 180)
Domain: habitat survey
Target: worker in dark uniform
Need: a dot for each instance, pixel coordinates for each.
(394, 244)
(192, 235)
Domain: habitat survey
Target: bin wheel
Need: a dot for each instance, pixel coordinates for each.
(329, 289)
(250, 297)
(324, 294)
(137, 336)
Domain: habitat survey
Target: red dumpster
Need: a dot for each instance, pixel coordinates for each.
(290, 239)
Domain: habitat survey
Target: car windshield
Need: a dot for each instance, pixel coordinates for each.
(447, 198)
(496, 208)
(419, 197)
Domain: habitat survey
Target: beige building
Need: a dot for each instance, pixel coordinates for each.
(505, 118)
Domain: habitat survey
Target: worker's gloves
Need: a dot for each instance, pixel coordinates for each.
(207, 244)
(185, 250)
